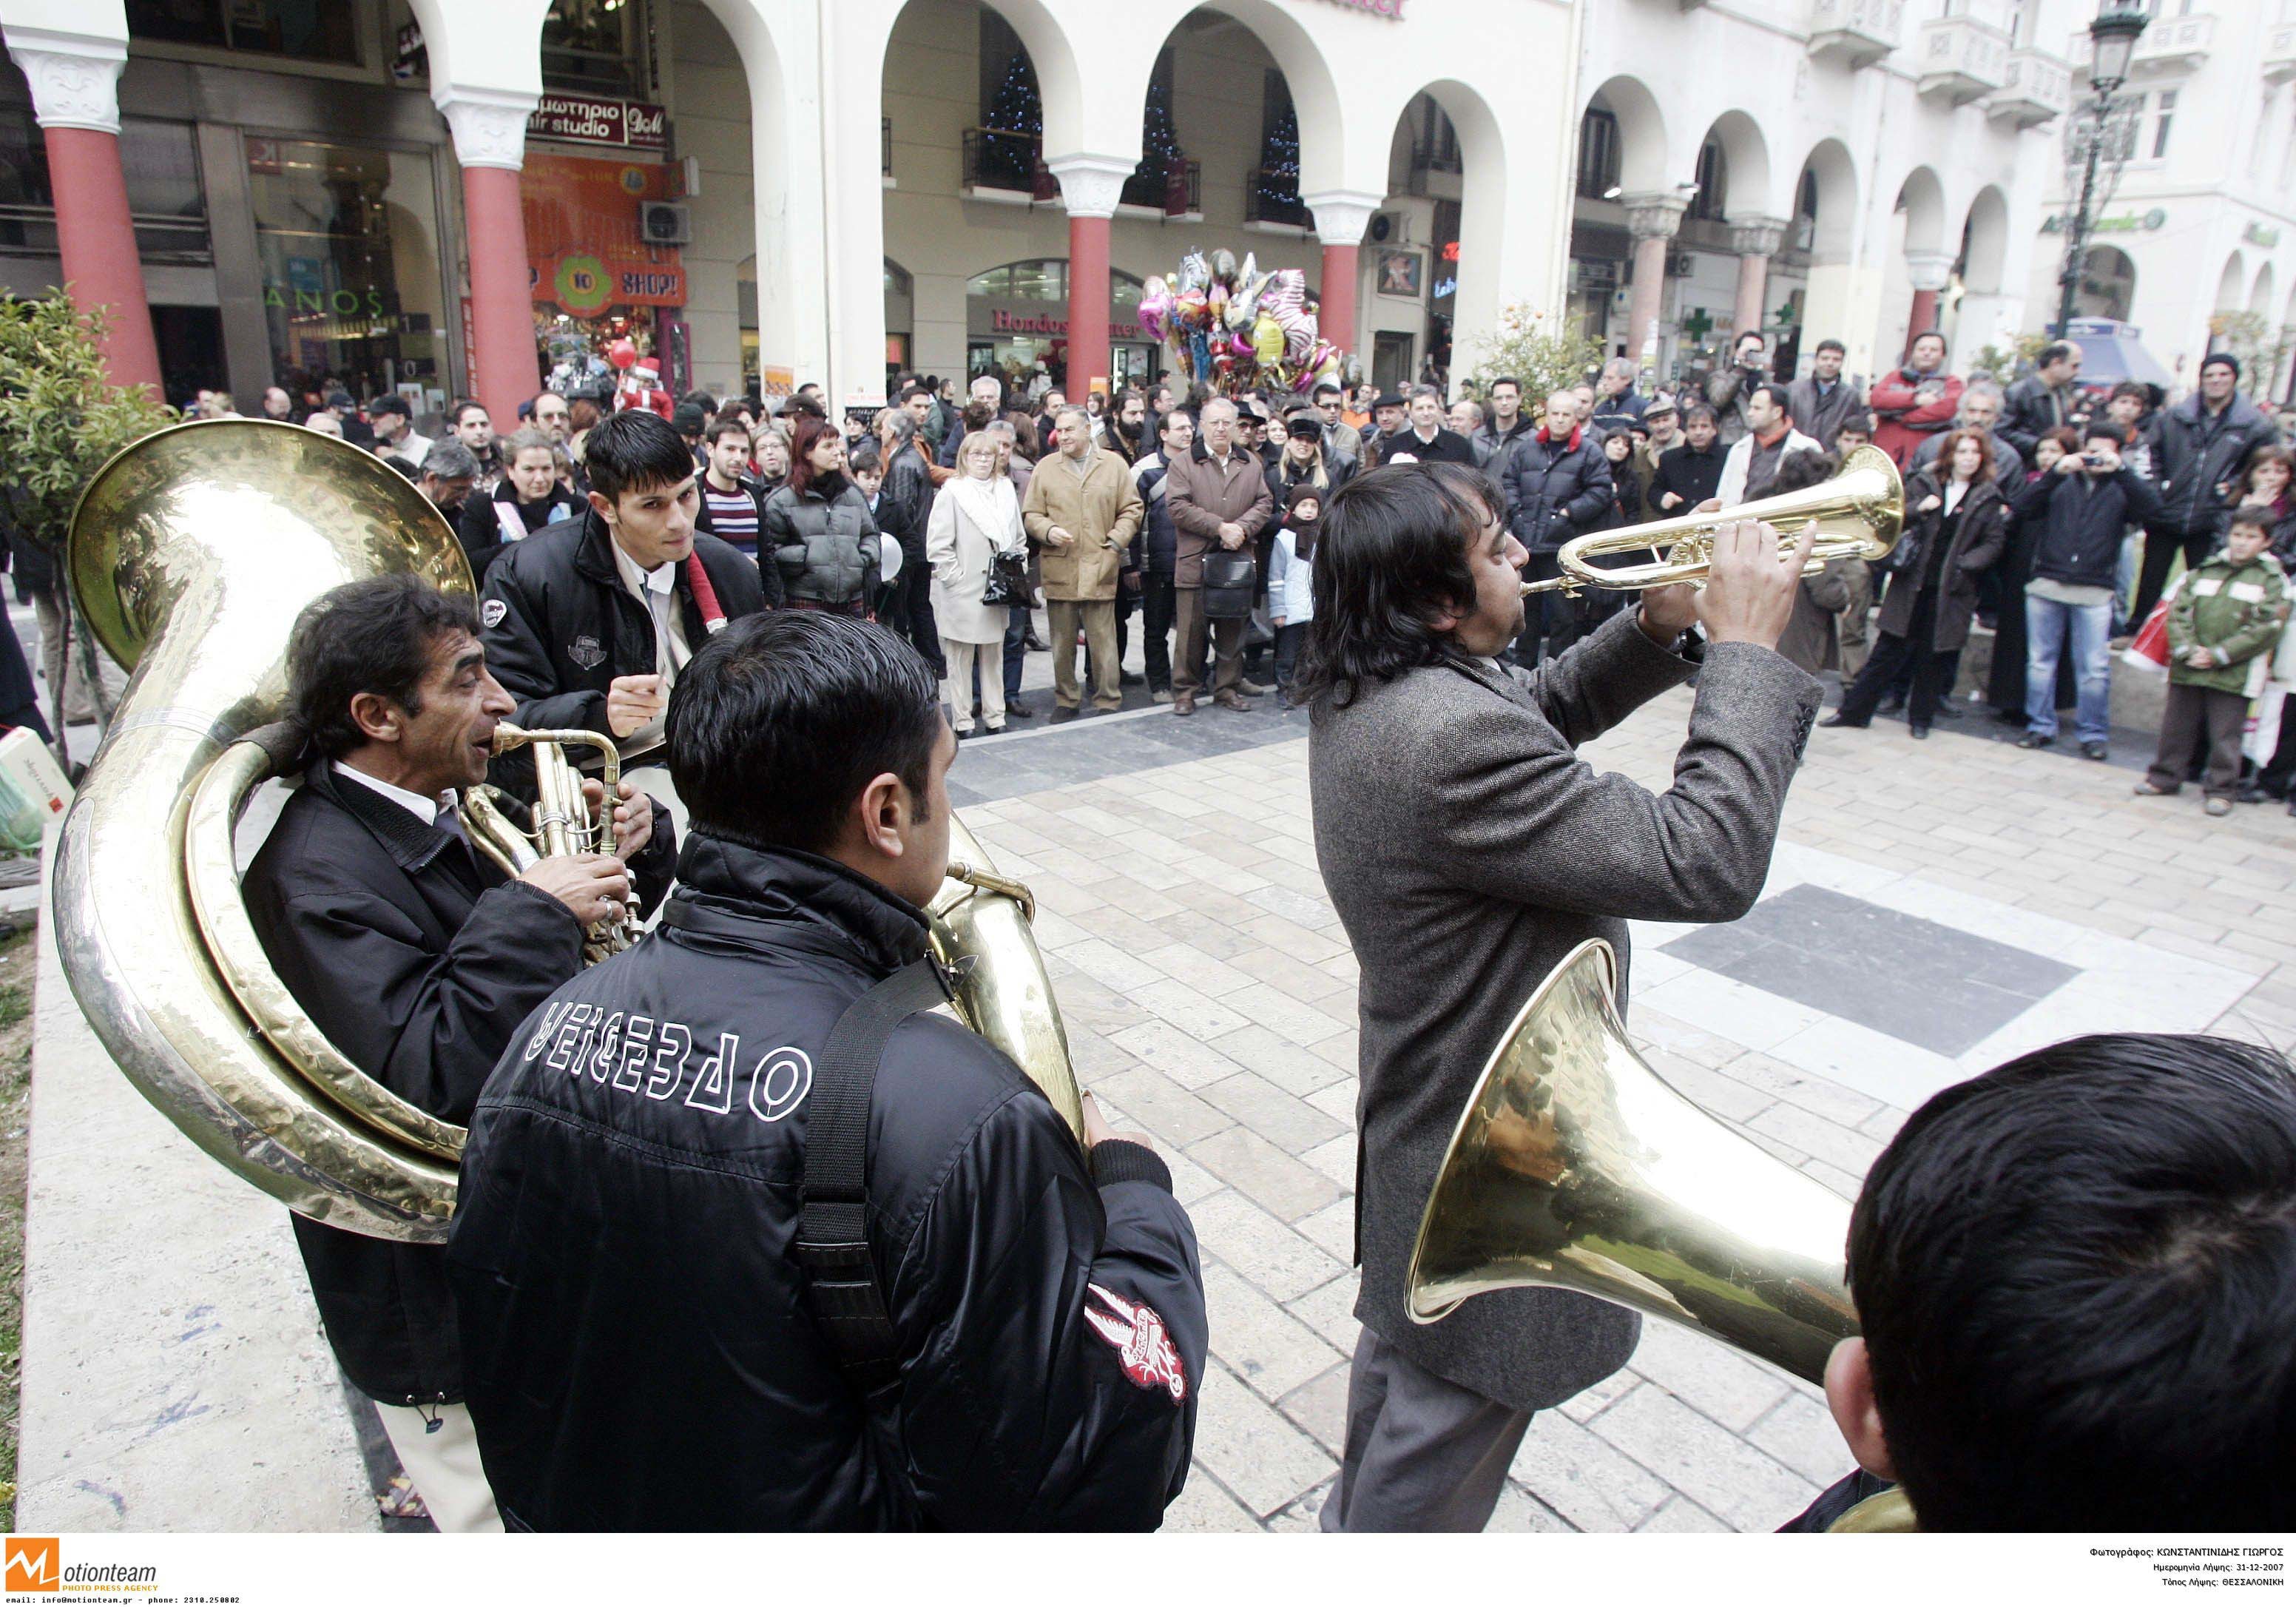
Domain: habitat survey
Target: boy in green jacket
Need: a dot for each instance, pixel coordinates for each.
(2229, 610)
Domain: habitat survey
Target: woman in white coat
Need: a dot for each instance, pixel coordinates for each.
(975, 517)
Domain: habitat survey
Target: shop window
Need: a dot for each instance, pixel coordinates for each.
(164, 196)
(310, 30)
(597, 45)
(1017, 325)
(353, 294)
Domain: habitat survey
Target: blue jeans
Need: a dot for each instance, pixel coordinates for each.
(2047, 626)
(1016, 652)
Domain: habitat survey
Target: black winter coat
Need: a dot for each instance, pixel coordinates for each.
(1692, 475)
(1972, 547)
(2195, 451)
(2081, 518)
(560, 625)
(1554, 493)
(418, 959)
(826, 547)
(643, 1352)
(2029, 411)
(1159, 542)
(904, 506)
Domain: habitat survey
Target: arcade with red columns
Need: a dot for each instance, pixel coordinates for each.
(75, 83)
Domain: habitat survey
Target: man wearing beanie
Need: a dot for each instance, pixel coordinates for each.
(2200, 446)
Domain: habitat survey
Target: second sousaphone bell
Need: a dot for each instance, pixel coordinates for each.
(1575, 1167)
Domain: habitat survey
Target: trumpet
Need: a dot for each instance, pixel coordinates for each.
(562, 818)
(1859, 513)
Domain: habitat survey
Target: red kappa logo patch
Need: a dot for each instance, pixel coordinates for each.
(1142, 1345)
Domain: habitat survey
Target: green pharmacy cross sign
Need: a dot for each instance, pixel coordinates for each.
(1696, 326)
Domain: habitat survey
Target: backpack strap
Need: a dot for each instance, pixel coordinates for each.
(833, 1241)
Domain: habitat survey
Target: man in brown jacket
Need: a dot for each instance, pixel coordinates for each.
(1219, 499)
(1082, 510)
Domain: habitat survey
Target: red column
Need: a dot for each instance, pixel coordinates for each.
(1924, 318)
(504, 369)
(1088, 294)
(1336, 319)
(97, 240)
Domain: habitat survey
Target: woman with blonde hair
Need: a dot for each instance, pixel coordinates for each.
(975, 518)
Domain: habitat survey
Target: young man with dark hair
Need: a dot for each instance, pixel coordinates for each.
(1006, 1330)
(1824, 400)
(589, 621)
(2081, 1326)
(1750, 466)
(732, 499)
(1462, 840)
(415, 957)
(1506, 423)
(1728, 391)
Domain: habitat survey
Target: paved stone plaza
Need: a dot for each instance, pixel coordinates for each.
(1934, 908)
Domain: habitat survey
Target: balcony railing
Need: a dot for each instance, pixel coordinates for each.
(2171, 42)
(1856, 32)
(1001, 161)
(2036, 88)
(1176, 190)
(1961, 59)
(2280, 53)
(1274, 197)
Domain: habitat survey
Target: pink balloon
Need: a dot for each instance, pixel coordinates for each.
(621, 353)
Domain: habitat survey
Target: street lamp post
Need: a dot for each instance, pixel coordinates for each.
(2115, 32)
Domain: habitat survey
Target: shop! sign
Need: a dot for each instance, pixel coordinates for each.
(595, 120)
(585, 252)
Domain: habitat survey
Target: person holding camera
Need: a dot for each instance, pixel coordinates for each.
(2082, 505)
(1732, 390)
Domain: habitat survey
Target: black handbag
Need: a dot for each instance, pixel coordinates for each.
(1228, 579)
(1007, 586)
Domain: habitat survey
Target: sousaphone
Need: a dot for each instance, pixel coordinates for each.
(191, 552)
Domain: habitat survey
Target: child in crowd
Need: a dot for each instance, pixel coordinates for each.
(1291, 592)
(2228, 614)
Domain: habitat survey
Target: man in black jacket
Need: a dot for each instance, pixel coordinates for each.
(2087, 502)
(905, 513)
(1425, 439)
(1558, 485)
(1692, 473)
(650, 1347)
(2044, 400)
(2199, 448)
(417, 957)
(589, 621)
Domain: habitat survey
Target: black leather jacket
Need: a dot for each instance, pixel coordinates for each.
(1555, 492)
(560, 625)
(642, 1352)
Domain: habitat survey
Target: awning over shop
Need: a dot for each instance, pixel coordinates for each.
(2111, 352)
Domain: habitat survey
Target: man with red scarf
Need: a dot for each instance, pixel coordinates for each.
(1558, 485)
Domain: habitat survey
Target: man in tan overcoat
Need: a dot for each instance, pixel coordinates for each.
(1081, 511)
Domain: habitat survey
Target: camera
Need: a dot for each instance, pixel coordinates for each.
(2095, 460)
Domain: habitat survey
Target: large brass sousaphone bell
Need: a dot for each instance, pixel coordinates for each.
(1574, 1166)
(1859, 513)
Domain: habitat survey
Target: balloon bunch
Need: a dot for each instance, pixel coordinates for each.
(1236, 328)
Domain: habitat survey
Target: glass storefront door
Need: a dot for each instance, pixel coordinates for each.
(353, 294)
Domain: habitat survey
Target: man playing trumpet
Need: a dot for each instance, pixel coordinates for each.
(1467, 849)
(417, 956)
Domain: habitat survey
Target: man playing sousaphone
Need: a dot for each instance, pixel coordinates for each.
(1467, 849)
(417, 956)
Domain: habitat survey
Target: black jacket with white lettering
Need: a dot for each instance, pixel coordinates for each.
(640, 1350)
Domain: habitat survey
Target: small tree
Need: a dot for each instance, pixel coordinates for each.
(60, 420)
(2260, 348)
(1542, 352)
